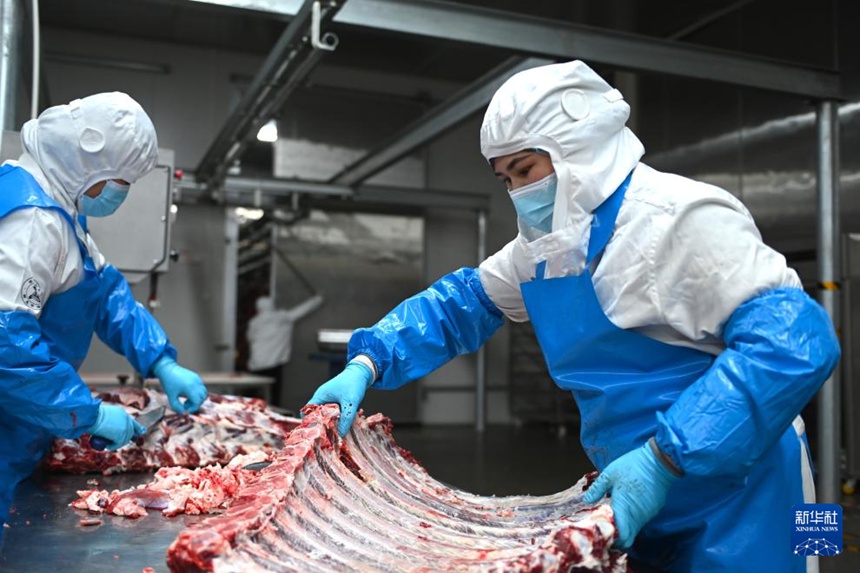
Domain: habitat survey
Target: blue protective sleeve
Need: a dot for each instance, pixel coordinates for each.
(453, 316)
(780, 348)
(127, 327)
(37, 388)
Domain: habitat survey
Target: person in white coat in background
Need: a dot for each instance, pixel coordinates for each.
(688, 344)
(270, 338)
(57, 290)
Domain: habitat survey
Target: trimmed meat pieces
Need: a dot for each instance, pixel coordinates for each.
(174, 491)
(225, 427)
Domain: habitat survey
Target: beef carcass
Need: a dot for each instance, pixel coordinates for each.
(224, 427)
(364, 504)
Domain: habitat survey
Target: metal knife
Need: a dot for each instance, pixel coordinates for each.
(148, 420)
(257, 466)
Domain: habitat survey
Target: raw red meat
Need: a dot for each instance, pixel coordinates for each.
(225, 426)
(174, 491)
(364, 504)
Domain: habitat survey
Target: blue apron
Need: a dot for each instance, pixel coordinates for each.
(620, 379)
(67, 324)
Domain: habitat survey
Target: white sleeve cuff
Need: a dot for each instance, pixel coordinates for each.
(364, 359)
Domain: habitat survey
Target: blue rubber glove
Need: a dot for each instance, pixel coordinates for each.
(179, 382)
(116, 426)
(638, 482)
(346, 389)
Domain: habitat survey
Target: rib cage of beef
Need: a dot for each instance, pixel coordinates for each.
(364, 504)
(224, 427)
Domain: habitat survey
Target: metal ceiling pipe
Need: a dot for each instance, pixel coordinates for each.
(108, 63)
(829, 403)
(781, 198)
(727, 143)
(11, 65)
(241, 191)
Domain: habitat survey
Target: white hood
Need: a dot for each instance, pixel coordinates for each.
(100, 137)
(573, 114)
(265, 304)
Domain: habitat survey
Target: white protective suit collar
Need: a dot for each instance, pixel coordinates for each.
(579, 119)
(100, 137)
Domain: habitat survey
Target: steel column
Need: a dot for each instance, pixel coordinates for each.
(273, 263)
(829, 276)
(481, 373)
(231, 288)
(11, 29)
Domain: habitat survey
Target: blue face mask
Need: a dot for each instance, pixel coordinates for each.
(534, 202)
(107, 202)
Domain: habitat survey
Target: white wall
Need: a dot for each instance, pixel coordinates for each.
(450, 242)
(188, 105)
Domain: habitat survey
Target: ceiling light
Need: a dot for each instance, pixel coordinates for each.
(246, 214)
(269, 132)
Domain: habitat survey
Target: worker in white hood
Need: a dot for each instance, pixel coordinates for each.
(688, 344)
(270, 337)
(56, 289)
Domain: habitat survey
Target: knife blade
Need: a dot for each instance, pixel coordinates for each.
(147, 420)
(151, 418)
(257, 466)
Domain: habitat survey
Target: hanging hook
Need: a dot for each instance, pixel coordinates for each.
(328, 41)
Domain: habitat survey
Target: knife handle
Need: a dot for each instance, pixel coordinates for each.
(98, 443)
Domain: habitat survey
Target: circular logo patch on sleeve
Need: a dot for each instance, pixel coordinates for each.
(31, 294)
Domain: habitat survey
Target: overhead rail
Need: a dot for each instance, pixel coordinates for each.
(251, 192)
(289, 62)
(564, 40)
(437, 121)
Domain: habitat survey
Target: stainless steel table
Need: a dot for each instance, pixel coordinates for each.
(45, 536)
(218, 382)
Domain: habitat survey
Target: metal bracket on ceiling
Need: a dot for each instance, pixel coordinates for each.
(328, 41)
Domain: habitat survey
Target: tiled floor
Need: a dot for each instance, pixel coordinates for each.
(539, 460)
